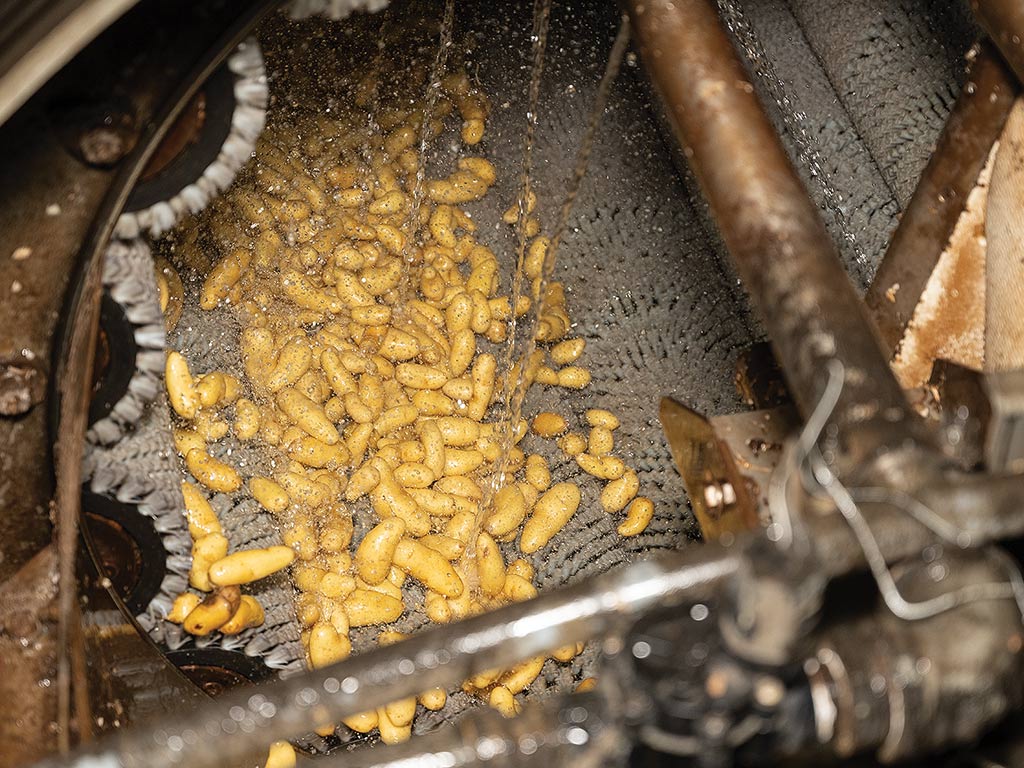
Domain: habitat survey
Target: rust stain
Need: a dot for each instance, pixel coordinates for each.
(949, 320)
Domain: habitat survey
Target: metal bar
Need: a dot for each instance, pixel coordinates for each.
(787, 261)
(927, 223)
(570, 729)
(237, 728)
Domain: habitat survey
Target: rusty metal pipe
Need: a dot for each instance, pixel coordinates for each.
(780, 246)
(927, 223)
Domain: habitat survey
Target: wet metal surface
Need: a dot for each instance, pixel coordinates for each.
(718, 492)
(941, 195)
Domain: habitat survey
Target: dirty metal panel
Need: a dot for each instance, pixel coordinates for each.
(725, 462)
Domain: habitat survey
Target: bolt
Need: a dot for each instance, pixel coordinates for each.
(713, 496)
(719, 494)
(22, 385)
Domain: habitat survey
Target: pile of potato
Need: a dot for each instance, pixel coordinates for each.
(366, 306)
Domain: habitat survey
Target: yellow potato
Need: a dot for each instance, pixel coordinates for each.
(390, 733)
(281, 755)
(336, 585)
(292, 362)
(440, 226)
(327, 646)
(459, 485)
(247, 419)
(484, 368)
(618, 493)
(638, 517)
(249, 614)
(450, 549)
(601, 441)
(437, 608)
(311, 452)
(432, 403)
(186, 440)
(205, 552)
(598, 417)
(550, 513)
(336, 533)
(211, 388)
(518, 588)
(428, 567)
(308, 415)
(522, 675)
(211, 472)
(601, 467)
(490, 565)
(182, 606)
(568, 352)
(565, 654)
(257, 346)
(376, 552)
(202, 520)
(433, 446)
(460, 388)
(361, 723)
(365, 607)
(572, 444)
(362, 481)
(537, 473)
(302, 490)
(501, 699)
(390, 498)
(420, 376)
(395, 418)
(412, 475)
(181, 388)
(357, 410)
(573, 377)
(434, 503)
(215, 611)
(458, 461)
(339, 377)
(457, 430)
(269, 494)
(520, 568)
(219, 282)
(399, 346)
(434, 699)
(548, 424)
(357, 438)
(508, 512)
(250, 565)
(401, 712)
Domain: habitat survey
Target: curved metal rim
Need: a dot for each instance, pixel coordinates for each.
(82, 303)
